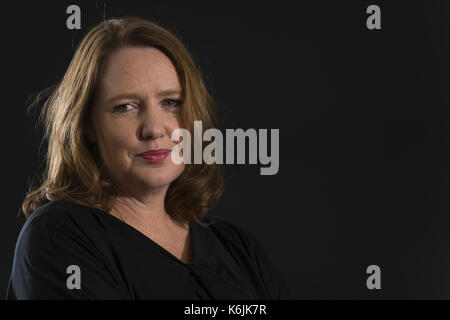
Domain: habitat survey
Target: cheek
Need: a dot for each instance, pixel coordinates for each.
(116, 138)
(172, 125)
(174, 171)
(175, 119)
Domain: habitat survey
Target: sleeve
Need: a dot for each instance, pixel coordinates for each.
(46, 258)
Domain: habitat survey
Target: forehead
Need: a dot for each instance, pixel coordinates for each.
(137, 69)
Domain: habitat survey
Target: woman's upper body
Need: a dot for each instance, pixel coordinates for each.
(116, 261)
(114, 214)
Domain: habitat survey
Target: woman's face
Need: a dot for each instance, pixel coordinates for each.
(137, 106)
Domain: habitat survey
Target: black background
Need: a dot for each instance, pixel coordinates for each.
(363, 118)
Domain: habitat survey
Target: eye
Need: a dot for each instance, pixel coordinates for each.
(122, 108)
(172, 102)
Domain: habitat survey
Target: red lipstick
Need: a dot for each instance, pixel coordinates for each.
(155, 156)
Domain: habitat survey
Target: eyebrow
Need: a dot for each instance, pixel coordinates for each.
(160, 93)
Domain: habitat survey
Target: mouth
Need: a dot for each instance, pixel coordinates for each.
(154, 152)
(155, 156)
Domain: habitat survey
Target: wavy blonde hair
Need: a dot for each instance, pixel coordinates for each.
(73, 169)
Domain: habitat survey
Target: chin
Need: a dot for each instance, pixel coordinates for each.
(161, 178)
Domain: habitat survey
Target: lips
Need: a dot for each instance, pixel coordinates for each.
(155, 156)
(155, 152)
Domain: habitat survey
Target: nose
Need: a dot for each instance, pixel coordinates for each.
(153, 124)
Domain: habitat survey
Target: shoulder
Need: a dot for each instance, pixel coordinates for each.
(57, 235)
(57, 209)
(59, 214)
(61, 229)
(54, 223)
(38, 222)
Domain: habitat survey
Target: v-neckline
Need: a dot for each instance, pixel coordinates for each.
(192, 226)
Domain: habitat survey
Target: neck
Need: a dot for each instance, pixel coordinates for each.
(144, 210)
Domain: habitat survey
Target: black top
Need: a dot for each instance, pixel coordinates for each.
(116, 261)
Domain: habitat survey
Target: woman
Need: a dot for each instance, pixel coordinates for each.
(114, 217)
